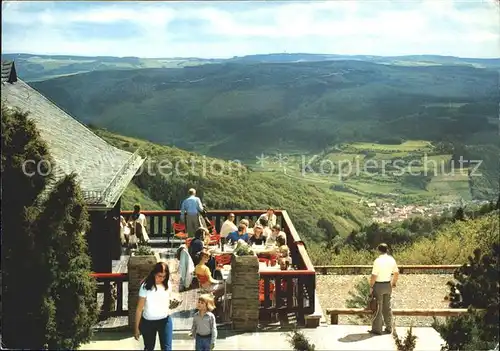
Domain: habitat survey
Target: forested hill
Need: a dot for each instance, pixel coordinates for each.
(235, 110)
(169, 172)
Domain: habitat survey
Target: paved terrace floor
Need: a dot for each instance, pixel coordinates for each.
(328, 337)
(182, 315)
(325, 337)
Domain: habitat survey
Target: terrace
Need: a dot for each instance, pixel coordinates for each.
(297, 305)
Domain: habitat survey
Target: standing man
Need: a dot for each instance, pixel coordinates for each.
(385, 274)
(190, 212)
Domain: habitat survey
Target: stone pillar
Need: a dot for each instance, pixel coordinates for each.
(245, 292)
(138, 269)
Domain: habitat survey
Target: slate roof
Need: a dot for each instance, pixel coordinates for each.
(103, 170)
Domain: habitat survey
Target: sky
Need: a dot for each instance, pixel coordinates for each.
(467, 28)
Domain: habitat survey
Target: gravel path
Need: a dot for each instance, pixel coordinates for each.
(413, 291)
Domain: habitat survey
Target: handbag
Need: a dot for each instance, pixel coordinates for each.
(372, 303)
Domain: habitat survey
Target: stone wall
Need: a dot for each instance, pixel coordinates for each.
(245, 292)
(138, 269)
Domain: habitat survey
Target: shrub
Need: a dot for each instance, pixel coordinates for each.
(144, 250)
(408, 343)
(359, 298)
(299, 342)
(64, 261)
(476, 286)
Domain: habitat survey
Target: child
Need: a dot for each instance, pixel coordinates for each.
(204, 328)
(283, 252)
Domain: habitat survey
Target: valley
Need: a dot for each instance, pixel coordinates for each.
(348, 140)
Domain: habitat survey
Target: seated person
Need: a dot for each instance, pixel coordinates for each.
(283, 252)
(200, 241)
(197, 244)
(275, 233)
(246, 223)
(258, 237)
(266, 229)
(124, 231)
(269, 216)
(228, 226)
(205, 276)
(241, 234)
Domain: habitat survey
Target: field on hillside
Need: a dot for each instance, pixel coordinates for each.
(42, 67)
(411, 172)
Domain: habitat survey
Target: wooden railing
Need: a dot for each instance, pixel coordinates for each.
(359, 269)
(294, 290)
(160, 223)
(111, 308)
(439, 312)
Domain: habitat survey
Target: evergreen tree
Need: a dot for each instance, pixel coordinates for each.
(22, 182)
(48, 296)
(61, 228)
(476, 287)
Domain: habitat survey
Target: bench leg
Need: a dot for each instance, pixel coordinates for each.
(334, 319)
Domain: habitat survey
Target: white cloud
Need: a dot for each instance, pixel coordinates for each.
(365, 27)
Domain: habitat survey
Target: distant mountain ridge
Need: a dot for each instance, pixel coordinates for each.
(292, 107)
(33, 67)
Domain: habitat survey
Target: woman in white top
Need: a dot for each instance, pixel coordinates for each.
(153, 309)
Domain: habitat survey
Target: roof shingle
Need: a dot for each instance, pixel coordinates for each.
(104, 171)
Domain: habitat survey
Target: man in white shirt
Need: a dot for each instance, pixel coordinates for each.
(228, 226)
(270, 216)
(385, 274)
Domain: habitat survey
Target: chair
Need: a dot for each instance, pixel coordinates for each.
(179, 227)
(202, 279)
(269, 261)
(214, 239)
(261, 290)
(179, 233)
(222, 260)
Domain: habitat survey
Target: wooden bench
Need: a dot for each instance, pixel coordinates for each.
(359, 268)
(437, 312)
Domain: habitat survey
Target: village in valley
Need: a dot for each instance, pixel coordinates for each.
(388, 212)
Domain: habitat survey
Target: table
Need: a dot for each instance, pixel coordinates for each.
(228, 249)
